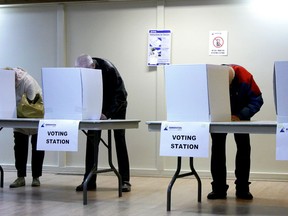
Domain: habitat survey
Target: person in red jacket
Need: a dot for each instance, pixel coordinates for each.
(245, 101)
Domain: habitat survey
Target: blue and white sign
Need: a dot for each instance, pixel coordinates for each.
(159, 47)
(282, 141)
(58, 135)
(188, 139)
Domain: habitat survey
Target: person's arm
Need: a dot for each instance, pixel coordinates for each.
(31, 89)
(118, 94)
(255, 101)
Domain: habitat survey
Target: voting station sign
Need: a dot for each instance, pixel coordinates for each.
(58, 135)
(281, 141)
(185, 139)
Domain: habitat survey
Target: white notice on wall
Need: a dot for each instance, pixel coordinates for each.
(282, 141)
(188, 139)
(159, 47)
(218, 43)
(58, 135)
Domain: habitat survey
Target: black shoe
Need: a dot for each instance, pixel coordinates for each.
(19, 182)
(126, 187)
(35, 182)
(244, 195)
(213, 195)
(91, 187)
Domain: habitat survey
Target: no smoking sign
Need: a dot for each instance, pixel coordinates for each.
(218, 43)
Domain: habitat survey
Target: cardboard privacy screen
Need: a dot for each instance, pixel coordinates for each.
(72, 93)
(197, 92)
(7, 94)
(280, 90)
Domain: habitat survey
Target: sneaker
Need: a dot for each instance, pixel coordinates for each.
(126, 187)
(89, 187)
(35, 182)
(213, 195)
(19, 182)
(244, 195)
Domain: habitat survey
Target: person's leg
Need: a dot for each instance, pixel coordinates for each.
(218, 167)
(92, 149)
(36, 161)
(242, 164)
(122, 156)
(122, 153)
(21, 155)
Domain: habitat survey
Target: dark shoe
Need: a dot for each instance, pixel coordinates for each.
(244, 195)
(19, 182)
(126, 187)
(91, 187)
(35, 182)
(213, 195)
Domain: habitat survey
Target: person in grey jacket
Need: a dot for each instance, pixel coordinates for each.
(25, 83)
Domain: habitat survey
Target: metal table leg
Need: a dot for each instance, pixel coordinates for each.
(96, 171)
(1, 172)
(177, 175)
(111, 163)
(2, 177)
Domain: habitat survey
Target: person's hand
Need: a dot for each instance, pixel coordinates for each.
(103, 117)
(235, 118)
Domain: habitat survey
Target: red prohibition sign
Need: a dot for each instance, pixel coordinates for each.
(218, 42)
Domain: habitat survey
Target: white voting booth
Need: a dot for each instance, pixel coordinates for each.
(7, 94)
(197, 92)
(281, 105)
(195, 95)
(280, 90)
(72, 93)
(69, 95)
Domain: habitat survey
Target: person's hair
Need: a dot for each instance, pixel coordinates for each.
(8, 68)
(85, 61)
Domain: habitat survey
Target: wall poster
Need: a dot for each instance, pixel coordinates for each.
(159, 47)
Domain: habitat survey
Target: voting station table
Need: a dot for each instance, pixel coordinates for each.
(251, 127)
(83, 125)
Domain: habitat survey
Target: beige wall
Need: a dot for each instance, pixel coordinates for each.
(53, 35)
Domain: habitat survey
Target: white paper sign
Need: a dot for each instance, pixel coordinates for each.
(159, 47)
(58, 135)
(188, 139)
(282, 141)
(218, 43)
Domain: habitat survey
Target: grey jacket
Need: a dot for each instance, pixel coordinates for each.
(24, 83)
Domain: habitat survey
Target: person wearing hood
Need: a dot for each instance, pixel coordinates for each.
(26, 84)
(245, 101)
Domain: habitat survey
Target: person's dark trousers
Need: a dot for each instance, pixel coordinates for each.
(218, 162)
(122, 155)
(121, 148)
(21, 147)
(242, 162)
(92, 149)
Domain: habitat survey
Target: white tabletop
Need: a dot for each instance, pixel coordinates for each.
(255, 127)
(83, 125)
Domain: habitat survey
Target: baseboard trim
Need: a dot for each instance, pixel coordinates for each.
(155, 173)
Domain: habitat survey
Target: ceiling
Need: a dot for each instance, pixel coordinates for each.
(9, 2)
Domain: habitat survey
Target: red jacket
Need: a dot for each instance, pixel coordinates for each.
(245, 95)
